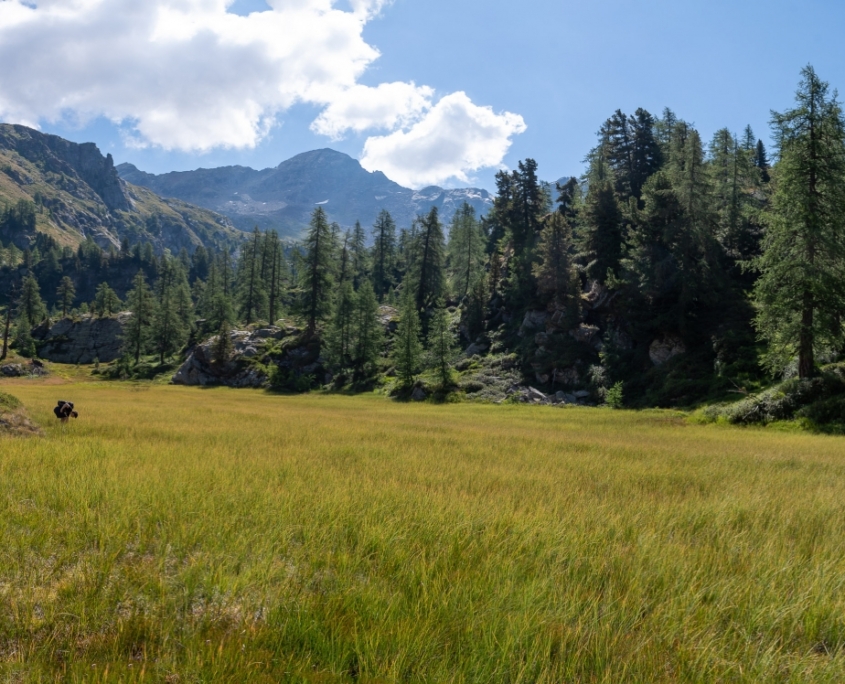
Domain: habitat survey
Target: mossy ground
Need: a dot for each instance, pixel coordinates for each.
(175, 534)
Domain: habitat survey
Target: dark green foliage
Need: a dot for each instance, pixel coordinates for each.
(801, 289)
(368, 332)
(427, 267)
(141, 303)
(317, 272)
(23, 337)
(66, 293)
(222, 348)
(632, 151)
(556, 280)
(441, 346)
(339, 337)
(30, 303)
(106, 302)
(407, 347)
(384, 254)
(251, 291)
(601, 227)
(465, 251)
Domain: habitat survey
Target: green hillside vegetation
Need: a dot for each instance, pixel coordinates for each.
(76, 194)
(176, 535)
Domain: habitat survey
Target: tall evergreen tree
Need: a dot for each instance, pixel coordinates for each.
(801, 289)
(66, 293)
(317, 269)
(251, 293)
(106, 301)
(384, 254)
(441, 345)
(277, 275)
(141, 303)
(368, 333)
(30, 303)
(340, 333)
(168, 329)
(761, 161)
(554, 273)
(407, 347)
(428, 271)
(465, 251)
(601, 238)
(359, 257)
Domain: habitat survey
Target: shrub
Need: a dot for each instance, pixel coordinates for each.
(614, 398)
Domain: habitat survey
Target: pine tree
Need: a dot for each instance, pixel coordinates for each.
(66, 293)
(554, 273)
(251, 294)
(23, 335)
(600, 240)
(428, 269)
(277, 275)
(169, 331)
(441, 346)
(359, 257)
(801, 289)
(465, 251)
(106, 301)
(141, 303)
(317, 269)
(368, 333)
(761, 161)
(30, 303)
(384, 254)
(339, 336)
(407, 348)
(222, 348)
(215, 305)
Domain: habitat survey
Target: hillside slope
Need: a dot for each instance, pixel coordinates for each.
(78, 194)
(283, 198)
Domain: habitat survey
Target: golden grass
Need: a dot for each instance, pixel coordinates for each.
(174, 534)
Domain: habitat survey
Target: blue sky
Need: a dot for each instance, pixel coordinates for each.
(562, 66)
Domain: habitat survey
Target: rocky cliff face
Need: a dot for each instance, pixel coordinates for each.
(296, 353)
(86, 340)
(283, 198)
(78, 194)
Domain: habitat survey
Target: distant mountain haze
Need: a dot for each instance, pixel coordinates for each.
(284, 197)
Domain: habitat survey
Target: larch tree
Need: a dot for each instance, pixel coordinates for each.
(465, 251)
(384, 254)
(428, 269)
(801, 289)
(141, 302)
(407, 347)
(66, 293)
(317, 269)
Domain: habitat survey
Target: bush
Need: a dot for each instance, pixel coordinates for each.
(613, 398)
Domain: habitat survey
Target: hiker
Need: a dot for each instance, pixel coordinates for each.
(64, 410)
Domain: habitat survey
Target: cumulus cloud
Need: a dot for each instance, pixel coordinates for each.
(189, 75)
(454, 138)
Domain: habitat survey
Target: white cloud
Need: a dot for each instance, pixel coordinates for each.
(361, 108)
(455, 138)
(189, 75)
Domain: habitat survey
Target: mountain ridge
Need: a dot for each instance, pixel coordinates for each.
(77, 194)
(282, 197)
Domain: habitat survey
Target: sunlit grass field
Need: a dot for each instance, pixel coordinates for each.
(181, 535)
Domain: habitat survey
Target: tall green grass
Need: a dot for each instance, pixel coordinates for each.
(182, 535)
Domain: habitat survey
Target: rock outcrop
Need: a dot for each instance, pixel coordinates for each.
(85, 340)
(294, 354)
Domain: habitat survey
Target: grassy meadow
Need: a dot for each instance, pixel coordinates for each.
(182, 535)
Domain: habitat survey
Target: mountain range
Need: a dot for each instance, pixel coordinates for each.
(283, 198)
(78, 194)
